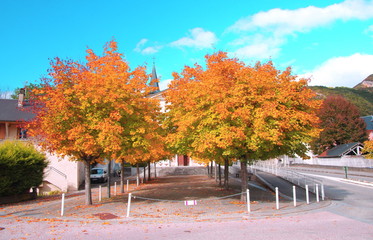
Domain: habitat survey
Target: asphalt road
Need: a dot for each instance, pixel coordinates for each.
(353, 199)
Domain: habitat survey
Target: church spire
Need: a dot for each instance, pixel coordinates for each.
(154, 80)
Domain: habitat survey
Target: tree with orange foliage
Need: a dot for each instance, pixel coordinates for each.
(242, 112)
(368, 149)
(91, 111)
(147, 142)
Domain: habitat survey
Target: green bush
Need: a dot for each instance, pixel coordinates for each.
(21, 167)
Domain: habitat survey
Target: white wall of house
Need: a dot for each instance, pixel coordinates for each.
(65, 174)
(173, 162)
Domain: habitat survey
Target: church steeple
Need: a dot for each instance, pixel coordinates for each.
(154, 80)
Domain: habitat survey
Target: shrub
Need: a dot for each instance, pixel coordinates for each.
(21, 167)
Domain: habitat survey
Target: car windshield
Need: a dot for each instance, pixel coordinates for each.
(97, 171)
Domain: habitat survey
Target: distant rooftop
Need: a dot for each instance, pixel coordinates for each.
(10, 112)
(341, 150)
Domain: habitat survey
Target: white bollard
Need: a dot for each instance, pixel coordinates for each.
(248, 200)
(307, 196)
(322, 192)
(99, 193)
(317, 193)
(127, 184)
(277, 199)
(115, 188)
(137, 181)
(294, 196)
(129, 204)
(63, 205)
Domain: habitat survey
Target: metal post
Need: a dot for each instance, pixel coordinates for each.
(115, 188)
(346, 169)
(127, 184)
(137, 181)
(294, 196)
(63, 205)
(307, 195)
(322, 192)
(317, 193)
(248, 200)
(129, 204)
(277, 199)
(99, 193)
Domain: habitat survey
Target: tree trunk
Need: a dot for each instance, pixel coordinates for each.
(109, 179)
(220, 175)
(122, 177)
(216, 171)
(149, 171)
(244, 184)
(88, 193)
(155, 170)
(137, 173)
(226, 172)
(144, 174)
(211, 169)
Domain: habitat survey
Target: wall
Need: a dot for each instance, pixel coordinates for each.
(64, 173)
(349, 161)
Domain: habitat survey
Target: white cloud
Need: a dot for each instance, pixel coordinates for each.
(199, 38)
(275, 26)
(140, 44)
(304, 19)
(151, 50)
(342, 71)
(258, 47)
(148, 50)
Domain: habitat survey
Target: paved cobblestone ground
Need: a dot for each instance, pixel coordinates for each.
(165, 214)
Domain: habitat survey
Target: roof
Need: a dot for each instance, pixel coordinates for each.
(368, 121)
(157, 94)
(10, 112)
(340, 150)
(154, 80)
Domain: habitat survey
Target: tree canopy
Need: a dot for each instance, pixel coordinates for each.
(239, 111)
(340, 123)
(94, 110)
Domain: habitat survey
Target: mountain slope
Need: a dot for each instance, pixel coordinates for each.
(361, 97)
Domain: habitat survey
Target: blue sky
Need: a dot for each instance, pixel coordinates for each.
(329, 41)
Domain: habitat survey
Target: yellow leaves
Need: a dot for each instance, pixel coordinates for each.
(97, 108)
(368, 149)
(234, 106)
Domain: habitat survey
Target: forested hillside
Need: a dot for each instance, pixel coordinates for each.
(362, 98)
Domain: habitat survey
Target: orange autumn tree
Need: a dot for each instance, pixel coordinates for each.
(242, 112)
(147, 142)
(368, 149)
(89, 111)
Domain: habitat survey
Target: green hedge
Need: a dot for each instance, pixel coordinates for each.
(21, 167)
